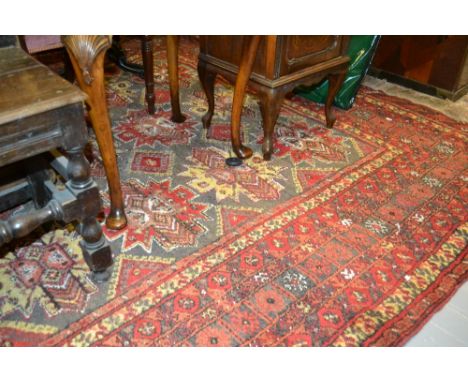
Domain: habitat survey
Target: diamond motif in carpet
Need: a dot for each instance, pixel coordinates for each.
(130, 269)
(360, 235)
(157, 212)
(150, 162)
(230, 217)
(48, 274)
(256, 179)
(144, 129)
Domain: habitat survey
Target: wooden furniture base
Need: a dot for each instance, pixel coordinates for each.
(39, 112)
(272, 66)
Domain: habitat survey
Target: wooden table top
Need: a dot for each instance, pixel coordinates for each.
(28, 88)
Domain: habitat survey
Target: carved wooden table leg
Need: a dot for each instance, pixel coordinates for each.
(249, 51)
(172, 63)
(335, 80)
(87, 56)
(147, 53)
(207, 79)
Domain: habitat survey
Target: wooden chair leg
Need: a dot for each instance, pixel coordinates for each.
(249, 52)
(147, 53)
(335, 80)
(172, 63)
(87, 56)
(207, 79)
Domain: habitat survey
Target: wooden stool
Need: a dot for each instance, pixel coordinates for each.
(39, 112)
(273, 66)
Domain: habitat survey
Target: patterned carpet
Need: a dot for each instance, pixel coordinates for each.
(349, 237)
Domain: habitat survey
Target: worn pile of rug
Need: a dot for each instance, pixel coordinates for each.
(348, 237)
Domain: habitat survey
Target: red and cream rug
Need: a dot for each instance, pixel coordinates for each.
(349, 237)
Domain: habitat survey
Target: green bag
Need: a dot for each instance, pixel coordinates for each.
(361, 50)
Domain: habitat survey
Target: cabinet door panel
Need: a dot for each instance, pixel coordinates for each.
(304, 51)
(229, 49)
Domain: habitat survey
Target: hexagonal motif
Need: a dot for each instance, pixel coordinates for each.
(295, 282)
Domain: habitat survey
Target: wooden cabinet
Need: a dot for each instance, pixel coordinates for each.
(280, 63)
(277, 56)
(437, 65)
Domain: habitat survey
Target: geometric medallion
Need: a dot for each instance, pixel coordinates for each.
(256, 179)
(228, 218)
(50, 272)
(151, 162)
(156, 212)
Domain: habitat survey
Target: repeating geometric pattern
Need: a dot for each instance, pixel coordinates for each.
(158, 212)
(49, 272)
(257, 179)
(231, 217)
(152, 162)
(144, 129)
(347, 237)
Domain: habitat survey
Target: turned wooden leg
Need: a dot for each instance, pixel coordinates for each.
(78, 170)
(270, 105)
(147, 53)
(21, 225)
(172, 64)
(207, 79)
(335, 80)
(249, 52)
(96, 251)
(87, 56)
